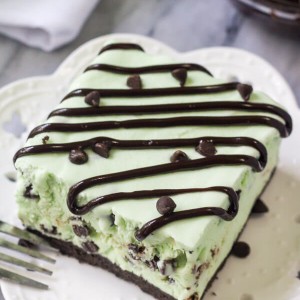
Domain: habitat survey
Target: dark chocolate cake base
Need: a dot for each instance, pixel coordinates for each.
(71, 250)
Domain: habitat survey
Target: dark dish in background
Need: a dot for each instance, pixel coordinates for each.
(282, 12)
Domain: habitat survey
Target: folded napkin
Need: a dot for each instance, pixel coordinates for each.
(46, 24)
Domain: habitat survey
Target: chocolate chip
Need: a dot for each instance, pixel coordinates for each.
(259, 207)
(194, 297)
(135, 248)
(80, 230)
(152, 264)
(26, 244)
(213, 293)
(298, 275)
(155, 258)
(45, 139)
(92, 98)
(200, 269)
(214, 251)
(102, 149)
(165, 205)
(134, 82)
(90, 246)
(171, 280)
(178, 156)
(206, 148)
(181, 75)
(28, 193)
(245, 90)
(167, 267)
(75, 218)
(53, 229)
(112, 218)
(78, 156)
(240, 249)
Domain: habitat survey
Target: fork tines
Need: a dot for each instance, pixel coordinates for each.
(30, 237)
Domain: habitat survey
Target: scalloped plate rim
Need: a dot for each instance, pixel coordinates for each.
(291, 103)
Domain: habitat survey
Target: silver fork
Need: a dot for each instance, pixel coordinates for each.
(27, 236)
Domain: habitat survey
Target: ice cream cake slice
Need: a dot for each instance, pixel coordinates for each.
(149, 168)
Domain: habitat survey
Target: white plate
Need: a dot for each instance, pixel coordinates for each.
(269, 273)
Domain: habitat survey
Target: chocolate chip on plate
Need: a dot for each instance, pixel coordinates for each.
(240, 249)
(259, 207)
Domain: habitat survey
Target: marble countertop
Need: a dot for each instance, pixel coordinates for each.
(184, 25)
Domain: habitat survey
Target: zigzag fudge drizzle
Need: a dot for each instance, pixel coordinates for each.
(150, 166)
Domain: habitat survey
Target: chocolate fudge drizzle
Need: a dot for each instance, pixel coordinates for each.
(146, 70)
(163, 122)
(283, 125)
(121, 46)
(157, 92)
(150, 144)
(171, 108)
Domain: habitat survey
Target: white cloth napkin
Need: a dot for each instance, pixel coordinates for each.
(46, 24)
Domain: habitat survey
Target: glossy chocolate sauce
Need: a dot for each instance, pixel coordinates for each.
(163, 122)
(171, 108)
(144, 144)
(121, 46)
(146, 70)
(226, 215)
(156, 92)
(200, 163)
